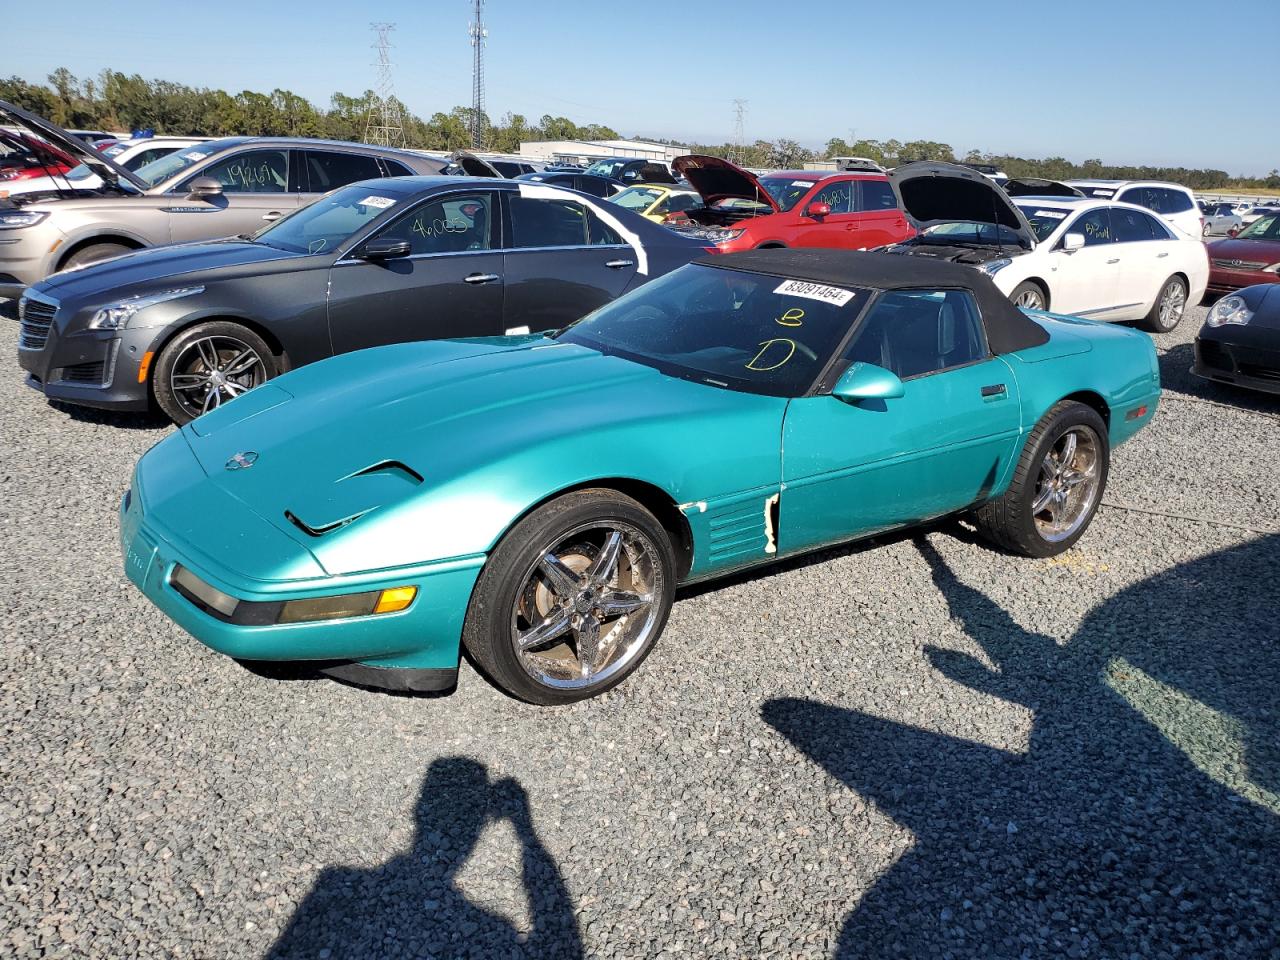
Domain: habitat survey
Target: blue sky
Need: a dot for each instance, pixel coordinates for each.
(1119, 80)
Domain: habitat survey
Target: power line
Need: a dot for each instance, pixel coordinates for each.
(478, 34)
(385, 125)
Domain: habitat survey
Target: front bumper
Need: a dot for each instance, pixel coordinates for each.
(1252, 367)
(92, 368)
(26, 257)
(1224, 280)
(416, 649)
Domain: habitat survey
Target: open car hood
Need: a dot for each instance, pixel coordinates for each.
(1039, 187)
(109, 172)
(474, 166)
(716, 179)
(930, 193)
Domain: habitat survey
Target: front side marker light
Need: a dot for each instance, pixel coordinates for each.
(395, 599)
(342, 607)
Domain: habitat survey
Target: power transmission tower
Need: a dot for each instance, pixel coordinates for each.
(739, 134)
(478, 33)
(384, 125)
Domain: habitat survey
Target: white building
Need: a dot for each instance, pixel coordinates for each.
(587, 151)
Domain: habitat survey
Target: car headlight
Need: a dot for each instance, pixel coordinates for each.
(714, 234)
(994, 266)
(116, 316)
(1274, 268)
(15, 219)
(1230, 309)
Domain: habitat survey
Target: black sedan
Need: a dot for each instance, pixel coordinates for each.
(584, 182)
(1240, 341)
(377, 262)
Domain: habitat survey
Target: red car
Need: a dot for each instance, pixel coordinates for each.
(788, 208)
(23, 156)
(1251, 256)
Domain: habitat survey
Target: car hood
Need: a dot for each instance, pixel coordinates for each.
(1039, 187)
(932, 193)
(717, 179)
(110, 172)
(145, 267)
(1252, 251)
(441, 437)
(474, 166)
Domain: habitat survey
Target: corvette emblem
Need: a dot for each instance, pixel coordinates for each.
(242, 461)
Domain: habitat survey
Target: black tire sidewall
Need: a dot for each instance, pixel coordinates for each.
(163, 367)
(1027, 285)
(487, 631)
(1071, 415)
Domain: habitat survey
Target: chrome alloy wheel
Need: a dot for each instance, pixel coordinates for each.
(1173, 300)
(1067, 489)
(588, 605)
(213, 370)
(1030, 300)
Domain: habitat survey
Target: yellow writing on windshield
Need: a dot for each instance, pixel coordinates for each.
(792, 318)
(772, 350)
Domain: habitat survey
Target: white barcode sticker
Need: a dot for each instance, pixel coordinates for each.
(815, 291)
(380, 202)
(1051, 214)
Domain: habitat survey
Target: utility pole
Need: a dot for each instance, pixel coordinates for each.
(478, 33)
(739, 134)
(384, 126)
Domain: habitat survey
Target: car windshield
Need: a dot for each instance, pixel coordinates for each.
(1043, 220)
(786, 192)
(727, 328)
(321, 227)
(637, 198)
(967, 231)
(608, 168)
(158, 171)
(1266, 227)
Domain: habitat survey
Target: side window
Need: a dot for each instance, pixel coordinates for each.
(1158, 230)
(330, 170)
(1131, 226)
(453, 224)
(1175, 201)
(547, 223)
(254, 171)
(1095, 225)
(877, 195)
(914, 333)
(838, 195)
(600, 232)
(395, 168)
(1140, 196)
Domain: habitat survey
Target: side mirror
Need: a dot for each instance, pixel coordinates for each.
(1072, 242)
(386, 249)
(866, 381)
(202, 188)
(818, 210)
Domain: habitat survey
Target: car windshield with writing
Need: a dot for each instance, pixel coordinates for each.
(166, 168)
(785, 191)
(321, 227)
(1043, 220)
(726, 328)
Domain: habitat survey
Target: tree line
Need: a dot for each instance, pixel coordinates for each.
(119, 101)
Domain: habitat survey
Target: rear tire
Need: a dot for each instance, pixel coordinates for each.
(1166, 313)
(1029, 295)
(1057, 485)
(94, 253)
(555, 633)
(208, 365)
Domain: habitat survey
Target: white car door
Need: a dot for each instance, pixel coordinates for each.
(1146, 250)
(1084, 281)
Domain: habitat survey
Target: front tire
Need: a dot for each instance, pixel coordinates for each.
(207, 365)
(94, 253)
(1057, 485)
(572, 599)
(1029, 296)
(1166, 313)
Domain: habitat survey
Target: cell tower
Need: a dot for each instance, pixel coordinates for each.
(478, 34)
(739, 134)
(384, 125)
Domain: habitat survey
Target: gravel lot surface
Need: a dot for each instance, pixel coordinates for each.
(919, 748)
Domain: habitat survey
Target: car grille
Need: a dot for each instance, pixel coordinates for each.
(84, 372)
(37, 317)
(1212, 354)
(1238, 264)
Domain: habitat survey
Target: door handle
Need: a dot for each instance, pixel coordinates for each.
(1114, 260)
(480, 278)
(1159, 255)
(994, 391)
(619, 264)
(273, 215)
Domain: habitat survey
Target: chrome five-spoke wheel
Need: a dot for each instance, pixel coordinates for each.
(586, 607)
(1067, 489)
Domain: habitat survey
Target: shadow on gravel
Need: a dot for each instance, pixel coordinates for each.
(1176, 377)
(1113, 835)
(124, 420)
(411, 906)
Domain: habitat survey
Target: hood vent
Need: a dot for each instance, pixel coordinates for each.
(349, 498)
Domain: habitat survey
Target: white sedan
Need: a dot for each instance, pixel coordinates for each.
(1092, 258)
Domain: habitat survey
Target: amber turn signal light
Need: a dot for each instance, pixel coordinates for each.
(395, 598)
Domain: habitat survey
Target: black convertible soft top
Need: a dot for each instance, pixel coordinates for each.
(1008, 328)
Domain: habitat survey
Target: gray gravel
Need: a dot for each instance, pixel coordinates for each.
(919, 748)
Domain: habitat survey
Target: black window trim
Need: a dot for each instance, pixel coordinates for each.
(348, 255)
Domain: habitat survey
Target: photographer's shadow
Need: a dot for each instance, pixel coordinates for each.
(412, 905)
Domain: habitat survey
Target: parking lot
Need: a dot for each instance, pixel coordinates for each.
(920, 747)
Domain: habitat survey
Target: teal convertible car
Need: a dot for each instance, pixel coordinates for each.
(538, 499)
